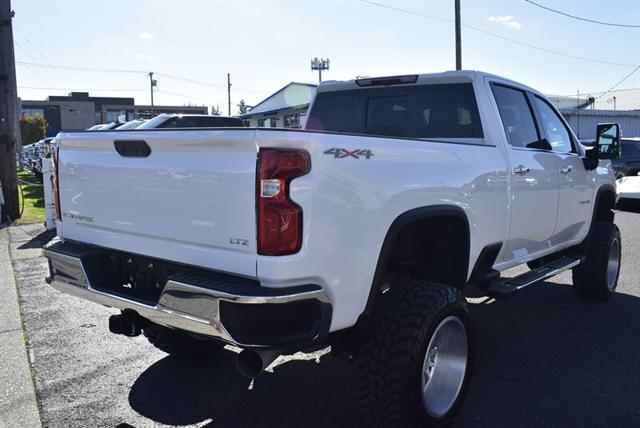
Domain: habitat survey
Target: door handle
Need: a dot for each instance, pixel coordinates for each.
(566, 170)
(521, 170)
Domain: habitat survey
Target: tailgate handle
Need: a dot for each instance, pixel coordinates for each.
(132, 148)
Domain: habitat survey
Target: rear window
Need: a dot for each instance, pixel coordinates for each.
(428, 111)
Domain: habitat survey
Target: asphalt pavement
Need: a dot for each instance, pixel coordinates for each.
(543, 358)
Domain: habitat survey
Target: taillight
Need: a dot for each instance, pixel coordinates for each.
(279, 218)
(54, 183)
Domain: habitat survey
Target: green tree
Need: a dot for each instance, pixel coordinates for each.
(32, 129)
(242, 107)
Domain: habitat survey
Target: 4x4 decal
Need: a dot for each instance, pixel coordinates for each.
(340, 153)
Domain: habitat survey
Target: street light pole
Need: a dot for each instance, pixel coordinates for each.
(458, 37)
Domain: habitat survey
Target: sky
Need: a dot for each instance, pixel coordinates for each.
(107, 47)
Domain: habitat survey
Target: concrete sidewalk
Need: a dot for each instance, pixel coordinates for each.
(18, 404)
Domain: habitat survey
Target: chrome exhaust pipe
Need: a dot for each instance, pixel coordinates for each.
(251, 363)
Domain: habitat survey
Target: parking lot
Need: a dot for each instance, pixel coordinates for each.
(543, 358)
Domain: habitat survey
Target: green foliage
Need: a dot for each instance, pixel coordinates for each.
(32, 196)
(32, 129)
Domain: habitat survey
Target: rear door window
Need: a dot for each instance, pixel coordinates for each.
(517, 118)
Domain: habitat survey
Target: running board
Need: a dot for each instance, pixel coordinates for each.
(506, 287)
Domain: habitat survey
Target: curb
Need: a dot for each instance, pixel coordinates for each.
(18, 403)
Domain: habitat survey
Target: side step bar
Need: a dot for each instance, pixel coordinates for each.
(506, 287)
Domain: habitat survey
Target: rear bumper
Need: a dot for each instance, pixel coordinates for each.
(235, 310)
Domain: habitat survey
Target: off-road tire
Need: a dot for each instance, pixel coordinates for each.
(389, 363)
(179, 343)
(590, 278)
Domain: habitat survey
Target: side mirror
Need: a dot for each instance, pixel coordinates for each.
(608, 141)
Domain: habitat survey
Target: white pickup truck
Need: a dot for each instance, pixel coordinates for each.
(362, 231)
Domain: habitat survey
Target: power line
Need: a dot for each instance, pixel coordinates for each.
(68, 67)
(201, 82)
(195, 97)
(602, 92)
(83, 89)
(619, 82)
(593, 21)
(116, 70)
(29, 67)
(36, 50)
(498, 36)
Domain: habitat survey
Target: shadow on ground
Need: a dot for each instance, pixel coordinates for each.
(628, 205)
(543, 357)
(298, 393)
(39, 240)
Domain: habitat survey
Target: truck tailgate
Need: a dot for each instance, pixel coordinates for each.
(191, 200)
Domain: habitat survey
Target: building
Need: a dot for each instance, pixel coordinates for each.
(584, 121)
(78, 110)
(286, 108)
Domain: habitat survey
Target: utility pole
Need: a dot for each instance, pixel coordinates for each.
(320, 64)
(8, 114)
(152, 83)
(458, 37)
(578, 111)
(229, 91)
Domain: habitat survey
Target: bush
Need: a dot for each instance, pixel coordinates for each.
(32, 129)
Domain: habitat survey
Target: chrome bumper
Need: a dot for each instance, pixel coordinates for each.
(184, 303)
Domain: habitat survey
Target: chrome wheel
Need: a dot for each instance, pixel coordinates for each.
(444, 366)
(613, 266)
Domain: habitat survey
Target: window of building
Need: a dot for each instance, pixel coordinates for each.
(261, 122)
(113, 116)
(292, 120)
(33, 112)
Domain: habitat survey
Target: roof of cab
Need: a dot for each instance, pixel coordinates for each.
(454, 76)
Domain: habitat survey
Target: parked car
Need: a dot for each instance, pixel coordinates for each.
(106, 126)
(363, 231)
(132, 124)
(628, 164)
(628, 188)
(191, 121)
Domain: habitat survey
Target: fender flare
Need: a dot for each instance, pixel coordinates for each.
(606, 188)
(601, 191)
(403, 220)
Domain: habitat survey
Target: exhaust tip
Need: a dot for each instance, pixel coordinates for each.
(249, 364)
(126, 323)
